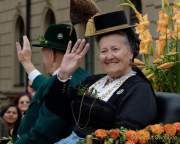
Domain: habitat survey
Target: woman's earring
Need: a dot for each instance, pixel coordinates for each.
(130, 61)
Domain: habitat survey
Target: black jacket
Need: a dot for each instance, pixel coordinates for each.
(133, 105)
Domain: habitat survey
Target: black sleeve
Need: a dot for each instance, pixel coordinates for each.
(57, 99)
(138, 108)
(60, 96)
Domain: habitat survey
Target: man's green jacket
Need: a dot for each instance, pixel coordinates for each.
(39, 125)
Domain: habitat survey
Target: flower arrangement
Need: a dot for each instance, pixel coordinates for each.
(6, 140)
(42, 40)
(152, 134)
(160, 57)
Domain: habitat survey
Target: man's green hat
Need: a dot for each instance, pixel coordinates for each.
(57, 37)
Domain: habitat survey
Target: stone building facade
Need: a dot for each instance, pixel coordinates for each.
(14, 23)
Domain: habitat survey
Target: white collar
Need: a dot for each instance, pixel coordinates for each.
(105, 91)
(55, 72)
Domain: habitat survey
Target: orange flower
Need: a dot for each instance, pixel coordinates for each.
(143, 136)
(160, 45)
(176, 32)
(129, 142)
(166, 65)
(177, 125)
(143, 24)
(139, 16)
(157, 61)
(176, 17)
(156, 129)
(101, 133)
(146, 39)
(163, 16)
(140, 28)
(142, 19)
(132, 136)
(145, 35)
(144, 47)
(138, 62)
(162, 22)
(114, 133)
(161, 28)
(175, 9)
(170, 129)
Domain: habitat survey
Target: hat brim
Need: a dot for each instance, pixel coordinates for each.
(111, 29)
(37, 45)
(115, 28)
(59, 47)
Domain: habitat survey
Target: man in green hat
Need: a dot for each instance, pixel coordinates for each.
(39, 125)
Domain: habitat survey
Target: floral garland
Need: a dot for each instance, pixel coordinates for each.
(152, 134)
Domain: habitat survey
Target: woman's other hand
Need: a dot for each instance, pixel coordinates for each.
(72, 58)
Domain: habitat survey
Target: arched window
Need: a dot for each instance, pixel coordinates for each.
(138, 6)
(19, 70)
(49, 18)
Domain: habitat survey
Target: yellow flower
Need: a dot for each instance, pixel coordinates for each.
(160, 45)
(157, 54)
(163, 16)
(162, 28)
(138, 62)
(162, 22)
(157, 61)
(145, 36)
(176, 32)
(140, 28)
(139, 16)
(177, 28)
(150, 76)
(176, 17)
(166, 65)
(177, 4)
(145, 19)
(144, 47)
(175, 9)
(142, 25)
(146, 40)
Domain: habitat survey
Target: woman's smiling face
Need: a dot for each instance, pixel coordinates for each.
(115, 54)
(11, 115)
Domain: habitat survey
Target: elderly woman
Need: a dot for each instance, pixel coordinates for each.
(120, 97)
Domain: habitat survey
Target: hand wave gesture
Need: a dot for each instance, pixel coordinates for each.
(72, 58)
(24, 54)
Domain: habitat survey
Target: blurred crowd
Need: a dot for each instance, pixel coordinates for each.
(12, 113)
